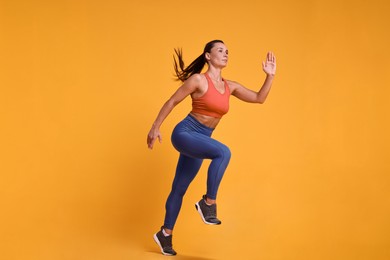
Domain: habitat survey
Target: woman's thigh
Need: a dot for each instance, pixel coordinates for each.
(198, 145)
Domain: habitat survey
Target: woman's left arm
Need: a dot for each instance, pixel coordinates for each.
(247, 95)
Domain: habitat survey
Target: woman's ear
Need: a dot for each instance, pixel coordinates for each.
(207, 55)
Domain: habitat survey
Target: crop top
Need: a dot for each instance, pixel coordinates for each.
(212, 103)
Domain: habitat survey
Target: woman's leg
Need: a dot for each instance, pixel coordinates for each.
(204, 147)
(186, 170)
(201, 146)
(194, 143)
(217, 168)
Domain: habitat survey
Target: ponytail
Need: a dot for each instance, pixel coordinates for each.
(182, 72)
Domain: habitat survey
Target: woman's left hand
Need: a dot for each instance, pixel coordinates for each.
(269, 65)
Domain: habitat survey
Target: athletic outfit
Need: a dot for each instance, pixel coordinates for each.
(193, 140)
(212, 103)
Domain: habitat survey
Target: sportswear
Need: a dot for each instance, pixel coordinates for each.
(212, 103)
(164, 242)
(208, 213)
(193, 140)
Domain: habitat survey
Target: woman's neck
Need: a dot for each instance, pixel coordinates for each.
(215, 74)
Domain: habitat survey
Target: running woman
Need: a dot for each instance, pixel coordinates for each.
(191, 137)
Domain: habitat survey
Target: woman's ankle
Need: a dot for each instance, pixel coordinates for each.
(209, 201)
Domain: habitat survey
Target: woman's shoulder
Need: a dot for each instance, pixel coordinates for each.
(233, 85)
(231, 82)
(197, 78)
(197, 82)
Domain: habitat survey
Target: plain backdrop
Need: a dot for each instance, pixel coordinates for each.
(82, 81)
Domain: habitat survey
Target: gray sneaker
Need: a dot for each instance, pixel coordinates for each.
(207, 213)
(165, 243)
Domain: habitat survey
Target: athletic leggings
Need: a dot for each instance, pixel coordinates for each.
(192, 139)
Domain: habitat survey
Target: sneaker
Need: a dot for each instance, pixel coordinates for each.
(208, 213)
(165, 243)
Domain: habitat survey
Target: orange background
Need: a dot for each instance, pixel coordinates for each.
(82, 81)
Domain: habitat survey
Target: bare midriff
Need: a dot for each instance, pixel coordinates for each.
(208, 121)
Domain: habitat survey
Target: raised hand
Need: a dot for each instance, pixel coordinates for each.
(269, 65)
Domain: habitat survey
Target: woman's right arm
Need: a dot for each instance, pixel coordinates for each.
(190, 86)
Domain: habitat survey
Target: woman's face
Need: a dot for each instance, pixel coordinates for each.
(218, 56)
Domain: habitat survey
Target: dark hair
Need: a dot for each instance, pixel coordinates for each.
(182, 72)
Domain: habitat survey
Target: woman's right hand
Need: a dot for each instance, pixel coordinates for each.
(154, 133)
(190, 86)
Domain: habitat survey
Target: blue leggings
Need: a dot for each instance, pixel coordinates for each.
(193, 140)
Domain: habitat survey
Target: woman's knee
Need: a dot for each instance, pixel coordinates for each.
(225, 152)
(179, 190)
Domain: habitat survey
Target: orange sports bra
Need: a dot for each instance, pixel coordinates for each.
(212, 103)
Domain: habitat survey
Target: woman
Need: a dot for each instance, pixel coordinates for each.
(191, 137)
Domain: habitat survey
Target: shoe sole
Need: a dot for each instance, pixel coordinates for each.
(158, 243)
(201, 215)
